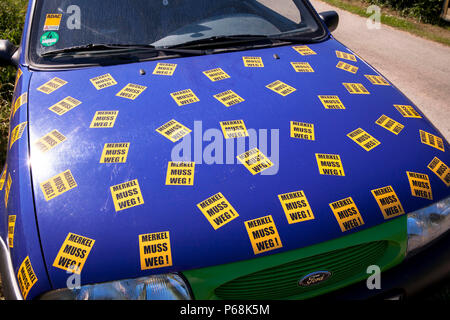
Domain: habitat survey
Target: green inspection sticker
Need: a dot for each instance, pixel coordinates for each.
(49, 39)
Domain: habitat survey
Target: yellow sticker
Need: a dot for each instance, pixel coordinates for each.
(302, 130)
(104, 81)
(180, 173)
(154, 250)
(229, 98)
(184, 97)
(216, 74)
(420, 185)
(217, 210)
(7, 189)
(281, 88)
(431, 140)
(50, 140)
(126, 195)
(20, 101)
(296, 207)
(131, 91)
(3, 177)
(330, 164)
(115, 152)
(173, 130)
(104, 119)
(440, 169)
(58, 184)
(407, 111)
(64, 105)
(346, 214)
(390, 124)
(52, 85)
(362, 138)
(52, 22)
(263, 234)
(11, 227)
(253, 62)
(165, 69)
(355, 88)
(302, 67)
(388, 202)
(331, 102)
(26, 277)
(255, 161)
(73, 253)
(304, 50)
(346, 56)
(18, 75)
(17, 133)
(377, 80)
(234, 129)
(347, 67)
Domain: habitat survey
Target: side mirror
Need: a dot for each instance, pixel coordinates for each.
(9, 54)
(331, 19)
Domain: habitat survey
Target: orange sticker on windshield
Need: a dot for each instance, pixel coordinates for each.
(52, 22)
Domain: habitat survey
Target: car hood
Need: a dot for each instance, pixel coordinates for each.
(88, 209)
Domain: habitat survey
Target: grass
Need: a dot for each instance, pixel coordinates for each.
(438, 33)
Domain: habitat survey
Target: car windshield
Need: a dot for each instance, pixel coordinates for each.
(80, 31)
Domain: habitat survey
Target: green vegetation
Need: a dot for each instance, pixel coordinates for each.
(12, 16)
(407, 19)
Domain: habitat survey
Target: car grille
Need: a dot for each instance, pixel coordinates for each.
(281, 282)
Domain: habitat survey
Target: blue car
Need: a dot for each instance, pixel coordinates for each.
(197, 149)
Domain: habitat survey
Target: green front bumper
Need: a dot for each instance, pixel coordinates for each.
(276, 276)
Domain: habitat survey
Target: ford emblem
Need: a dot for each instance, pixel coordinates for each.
(314, 278)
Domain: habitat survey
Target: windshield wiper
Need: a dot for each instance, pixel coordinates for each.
(222, 40)
(118, 48)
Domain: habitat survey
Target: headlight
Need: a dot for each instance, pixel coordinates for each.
(427, 224)
(158, 287)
